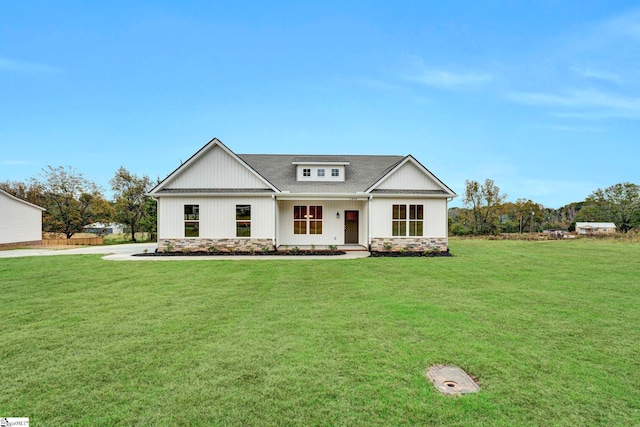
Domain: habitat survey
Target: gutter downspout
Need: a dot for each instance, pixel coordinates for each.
(275, 220)
(369, 222)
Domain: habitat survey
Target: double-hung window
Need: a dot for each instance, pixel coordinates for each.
(399, 222)
(243, 220)
(306, 172)
(407, 220)
(191, 220)
(307, 220)
(416, 219)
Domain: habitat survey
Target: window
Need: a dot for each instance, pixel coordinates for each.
(243, 220)
(416, 217)
(400, 223)
(320, 172)
(335, 172)
(191, 220)
(299, 220)
(307, 220)
(306, 172)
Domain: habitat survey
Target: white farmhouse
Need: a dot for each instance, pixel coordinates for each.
(595, 228)
(20, 221)
(252, 201)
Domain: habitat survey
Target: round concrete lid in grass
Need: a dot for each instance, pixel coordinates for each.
(452, 380)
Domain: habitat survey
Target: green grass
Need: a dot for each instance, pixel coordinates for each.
(119, 239)
(551, 330)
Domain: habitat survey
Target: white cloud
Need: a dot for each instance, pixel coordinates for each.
(587, 101)
(587, 129)
(625, 25)
(13, 65)
(598, 75)
(442, 79)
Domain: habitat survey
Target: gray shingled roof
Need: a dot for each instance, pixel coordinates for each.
(319, 159)
(214, 190)
(362, 172)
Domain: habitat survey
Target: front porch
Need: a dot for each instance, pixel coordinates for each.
(322, 223)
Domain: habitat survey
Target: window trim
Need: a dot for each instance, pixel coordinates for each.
(307, 219)
(407, 220)
(243, 220)
(191, 220)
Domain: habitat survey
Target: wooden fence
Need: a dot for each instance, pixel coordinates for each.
(73, 241)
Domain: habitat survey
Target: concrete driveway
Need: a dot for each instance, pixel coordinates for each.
(125, 253)
(123, 250)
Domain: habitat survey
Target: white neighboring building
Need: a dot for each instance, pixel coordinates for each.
(260, 201)
(20, 221)
(595, 228)
(102, 229)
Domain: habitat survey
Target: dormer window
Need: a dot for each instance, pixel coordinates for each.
(321, 168)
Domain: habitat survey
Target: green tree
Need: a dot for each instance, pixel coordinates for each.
(71, 201)
(483, 202)
(619, 203)
(457, 219)
(528, 214)
(29, 191)
(149, 222)
(130, 193)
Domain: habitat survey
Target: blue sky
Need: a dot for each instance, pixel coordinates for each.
(543, 97)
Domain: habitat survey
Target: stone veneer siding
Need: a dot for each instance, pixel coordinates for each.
(222, 245)
(409, 244)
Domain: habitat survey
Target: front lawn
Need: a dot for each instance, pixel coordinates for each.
(551, 331)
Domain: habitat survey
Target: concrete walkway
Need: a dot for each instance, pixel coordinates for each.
(125, 253)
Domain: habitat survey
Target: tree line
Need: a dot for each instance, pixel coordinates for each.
(73, 201)
(485, 211)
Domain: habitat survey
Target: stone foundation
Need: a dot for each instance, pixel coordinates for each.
(214, 245)
(409, 244)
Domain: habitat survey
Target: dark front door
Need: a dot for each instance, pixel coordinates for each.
(350, 227)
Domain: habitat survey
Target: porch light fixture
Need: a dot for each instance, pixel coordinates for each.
(338, 215)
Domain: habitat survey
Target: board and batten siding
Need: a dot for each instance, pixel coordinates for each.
(19, 221)
(332, 227)
(409, 177)
(435, 216)
(216, 169)
(217, 216)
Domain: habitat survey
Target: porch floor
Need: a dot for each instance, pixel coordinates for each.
(346, 248)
